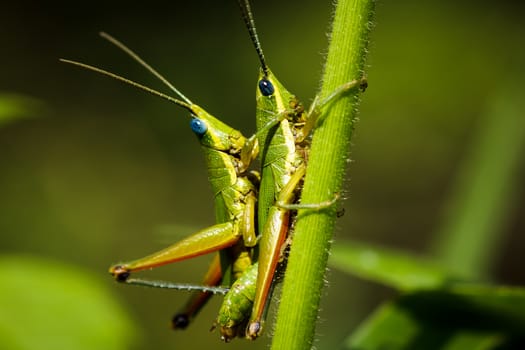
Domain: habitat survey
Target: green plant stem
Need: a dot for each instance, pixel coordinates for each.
(304, 278)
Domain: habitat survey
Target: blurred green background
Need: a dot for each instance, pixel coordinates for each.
(93, 172)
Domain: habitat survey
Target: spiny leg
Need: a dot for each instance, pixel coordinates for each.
(314, 112)
(213, 277)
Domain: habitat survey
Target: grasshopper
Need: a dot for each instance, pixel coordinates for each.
(283, 155)
(228, 154)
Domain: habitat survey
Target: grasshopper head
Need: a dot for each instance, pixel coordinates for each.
(269, 87)
(274, 102)
(215, 134)
(272, 96)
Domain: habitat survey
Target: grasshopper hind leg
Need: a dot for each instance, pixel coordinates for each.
(180, 321)
(198, 300)
(208, 240)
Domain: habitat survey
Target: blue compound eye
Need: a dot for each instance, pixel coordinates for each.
(198, 126)
(266, 87)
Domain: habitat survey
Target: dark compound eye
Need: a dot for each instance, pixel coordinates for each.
(266, 87)
(198, 126)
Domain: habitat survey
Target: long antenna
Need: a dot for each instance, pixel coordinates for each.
(130, 82)
(139, 60)
(247, 16)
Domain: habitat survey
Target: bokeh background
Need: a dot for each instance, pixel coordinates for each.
(93, 172)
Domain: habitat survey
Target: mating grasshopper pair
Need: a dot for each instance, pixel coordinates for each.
(281, 141)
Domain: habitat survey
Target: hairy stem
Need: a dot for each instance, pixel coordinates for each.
(304, 280)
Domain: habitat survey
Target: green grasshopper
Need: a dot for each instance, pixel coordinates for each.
(283, 155)
(228, 154)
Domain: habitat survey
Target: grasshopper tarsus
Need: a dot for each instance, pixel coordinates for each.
(227, 334)
(120, 273)
(180, 321)
(363, 84)
(253, 331)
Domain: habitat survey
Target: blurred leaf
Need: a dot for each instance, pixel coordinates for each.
(483, 196)
(386, 266)
(460, 317)
(13, 107)
(49, 305)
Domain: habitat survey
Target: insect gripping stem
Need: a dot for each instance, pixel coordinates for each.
(228, 155)
(283, 155)
(282, 142)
